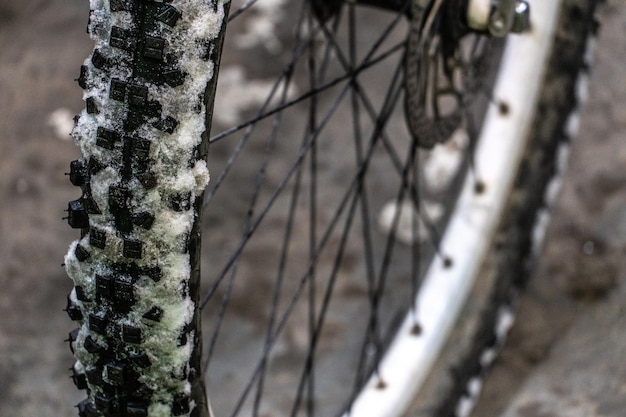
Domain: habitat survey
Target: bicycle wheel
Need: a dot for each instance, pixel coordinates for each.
(308, 277)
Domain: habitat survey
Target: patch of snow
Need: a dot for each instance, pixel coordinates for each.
(590, 48)
(261, 27)
(406, 227)
(236, 94)
(444, 161)
(582, 88)
(488, 357)
(62, 122)
(572, 124)
(467, 403)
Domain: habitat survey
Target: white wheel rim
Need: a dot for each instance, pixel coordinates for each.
(445, 289)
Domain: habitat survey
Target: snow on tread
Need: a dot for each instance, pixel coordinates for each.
(140, 175)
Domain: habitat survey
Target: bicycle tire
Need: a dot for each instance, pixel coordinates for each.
(126, 80)
(142, 173)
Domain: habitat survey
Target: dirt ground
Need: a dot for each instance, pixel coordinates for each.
(577, 292)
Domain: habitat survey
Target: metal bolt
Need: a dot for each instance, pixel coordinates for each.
(521, 18)
(497, 24)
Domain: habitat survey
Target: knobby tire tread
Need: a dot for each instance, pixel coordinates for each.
(144, 141)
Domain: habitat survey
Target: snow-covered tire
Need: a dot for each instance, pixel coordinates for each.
(142, 174)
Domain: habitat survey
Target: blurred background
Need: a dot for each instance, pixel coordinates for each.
(566, 356)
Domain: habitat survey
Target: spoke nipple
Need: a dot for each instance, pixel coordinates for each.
(381, 384)
(447, 262)
(479, 187)
(416, 330)
(503, 108)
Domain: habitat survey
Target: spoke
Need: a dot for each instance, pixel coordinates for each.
(329, 290)
(294, 167)
(260, 178)
(368, 252)
(389, 147)
(278, 286)
(243, 141)
(243, 8)
(309, 94)
(365, 216)
(376, 292)
(308, 286)
(349, 200)
(368, 62)
(415, 246)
